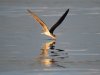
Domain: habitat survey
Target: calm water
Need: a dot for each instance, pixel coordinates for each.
(24, 51)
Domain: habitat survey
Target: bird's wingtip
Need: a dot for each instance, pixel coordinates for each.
(68, 10)
(29, 10)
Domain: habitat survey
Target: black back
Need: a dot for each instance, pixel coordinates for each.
(59, 22)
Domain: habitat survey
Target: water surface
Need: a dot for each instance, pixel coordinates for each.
(24, 51)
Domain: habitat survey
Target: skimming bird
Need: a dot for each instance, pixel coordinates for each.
(46, 31)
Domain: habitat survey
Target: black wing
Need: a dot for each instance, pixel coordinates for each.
(59, 22)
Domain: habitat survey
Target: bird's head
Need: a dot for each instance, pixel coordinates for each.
(54, 36)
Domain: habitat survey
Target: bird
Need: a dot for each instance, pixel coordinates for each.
(46, 31)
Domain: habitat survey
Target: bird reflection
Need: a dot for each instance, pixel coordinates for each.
(48, 54)
(44, 54)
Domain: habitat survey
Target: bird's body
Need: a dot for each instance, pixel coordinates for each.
(46, 31)
(49, 34)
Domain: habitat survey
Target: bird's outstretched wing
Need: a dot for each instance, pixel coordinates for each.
(59, 22)
(45, 28)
